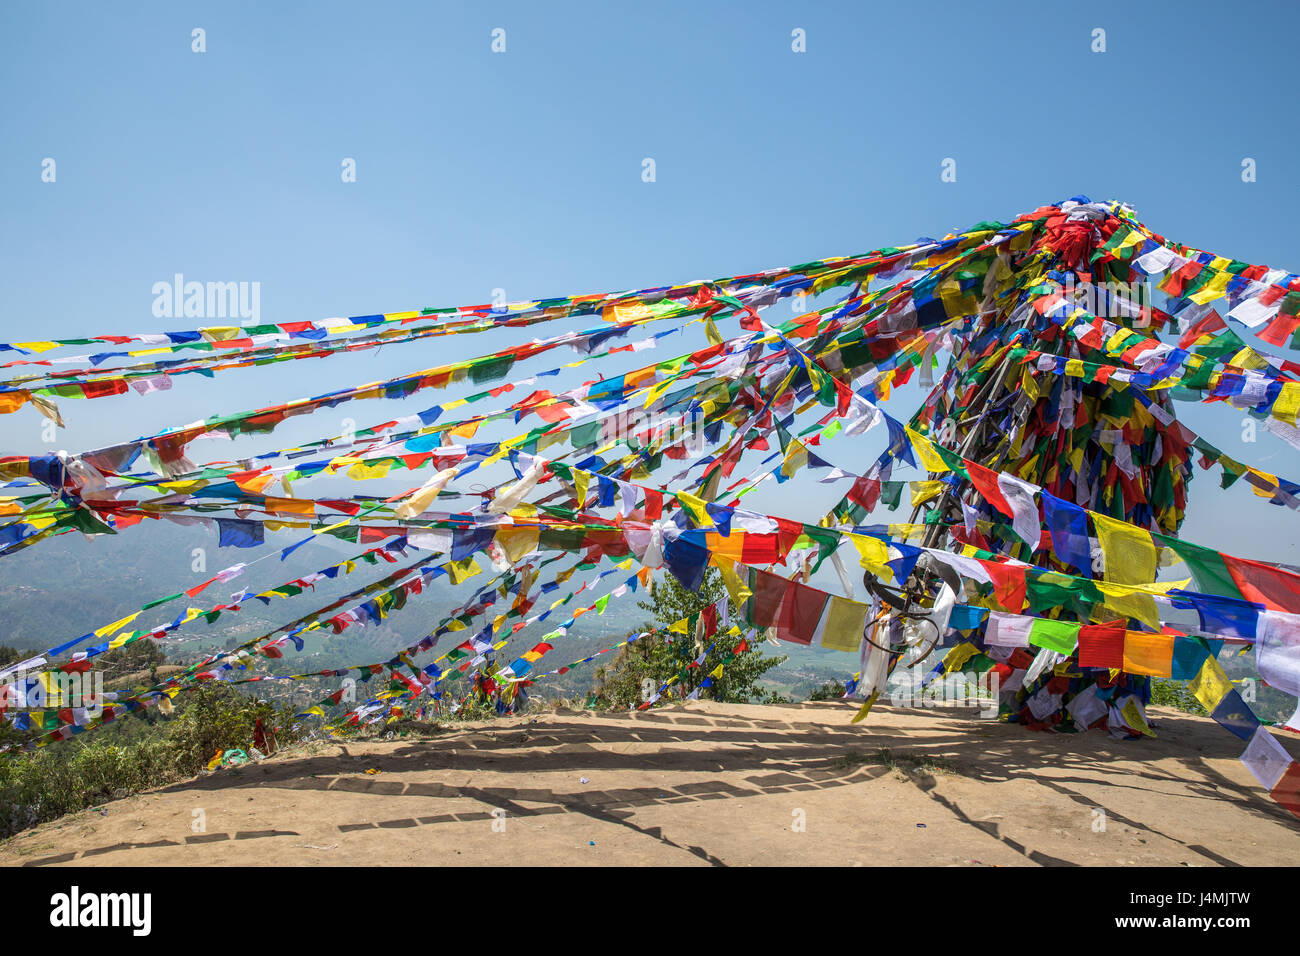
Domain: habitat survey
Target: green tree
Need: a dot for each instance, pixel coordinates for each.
(10, 655)
(649, 662)
(143, 655)
(830, 690)
(133, 754)
(1171, 693)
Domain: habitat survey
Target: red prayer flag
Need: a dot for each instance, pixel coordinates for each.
(1008, 585)
(1101, 645)
(1271, 586)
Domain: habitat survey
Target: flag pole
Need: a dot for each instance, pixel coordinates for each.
(970, 447)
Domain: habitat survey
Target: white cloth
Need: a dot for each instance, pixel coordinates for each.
(1044, 660)
(420, 500)
(436, 540)
(1266, 758)
(1157, 260)
(1085, 707)
(510, 498)
(1277, 650)
(1008, 630)
(1043, 704)
(1024, 507)
(966, 567)
(1252, 313)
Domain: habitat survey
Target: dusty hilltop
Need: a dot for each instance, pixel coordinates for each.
(706, 783)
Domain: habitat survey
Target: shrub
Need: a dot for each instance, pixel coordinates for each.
(651, 661)
(831, 690)
(123, 759)
(1174, 693)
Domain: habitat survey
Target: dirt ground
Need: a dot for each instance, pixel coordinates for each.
(705, 783)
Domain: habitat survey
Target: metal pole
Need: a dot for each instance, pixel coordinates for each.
(998, 384)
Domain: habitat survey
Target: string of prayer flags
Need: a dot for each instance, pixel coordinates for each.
(1056, 478)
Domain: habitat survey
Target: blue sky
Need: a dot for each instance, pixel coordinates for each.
(522, 170)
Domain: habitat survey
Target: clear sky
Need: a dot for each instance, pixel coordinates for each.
(522, 170)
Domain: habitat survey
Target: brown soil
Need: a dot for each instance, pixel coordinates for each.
(707, 783)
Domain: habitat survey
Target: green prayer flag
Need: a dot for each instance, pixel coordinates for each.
(1059, 636)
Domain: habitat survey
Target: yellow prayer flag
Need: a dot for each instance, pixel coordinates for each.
(866, 708)
(418, 501)
(221, 333)
(460, 571)
(361, 470)
(117, 625)
(1130, 559)
(736, 588)
(656, 390)
(844, 625)
(696, 507)
(1271, 479)
(925, 452)
(1210, 685)
(1133, 717)
(1212, 290)
(630, 312)
(796, 456)
(923, 491)
(1287, 403)
(340, 462)
(517, 541)
(711, 332)
(958, 656)
(1029, 384)
(873, 554)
